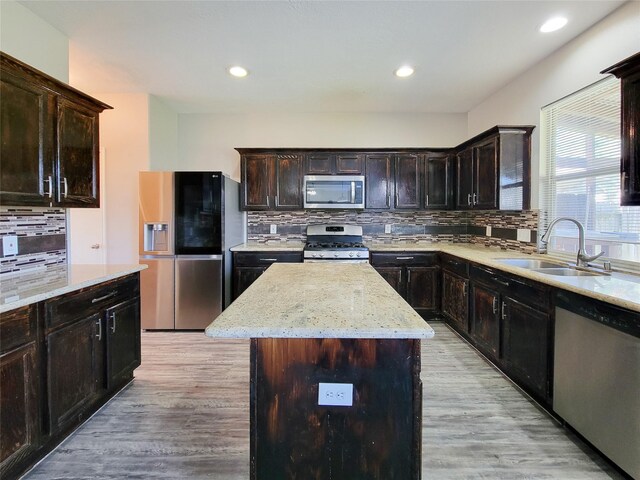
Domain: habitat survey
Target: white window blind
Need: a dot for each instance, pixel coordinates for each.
(580, 175)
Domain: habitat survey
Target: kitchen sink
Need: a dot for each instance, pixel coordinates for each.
(567, 272)
(530, 263)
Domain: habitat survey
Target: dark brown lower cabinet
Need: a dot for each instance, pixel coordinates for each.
(19, 412)
(60, 360)
(485, 319)
(527, 345)
(73, 370)
(455, 300)
(248, 266)
(415, 276)
(123, 341)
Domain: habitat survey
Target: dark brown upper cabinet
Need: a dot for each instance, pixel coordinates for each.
(378, 182)
(408, 181)
(493, 170)
(323, 163)
(438, 181)
(490, 171)
(49, 144)
(271, 181)
(628, 71)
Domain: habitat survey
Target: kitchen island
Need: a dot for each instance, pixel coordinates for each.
(335, 373)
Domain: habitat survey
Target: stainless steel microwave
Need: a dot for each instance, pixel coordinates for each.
(333, 191)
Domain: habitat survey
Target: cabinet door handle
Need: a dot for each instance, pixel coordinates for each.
(99, 335)
(104, 297)
(65, 190)
(469, 199)
(268, 201)
(404, 258)
(49, 180)
(464, 289)
(408, 277)
(113, 322)
(388, 200)
(475, 199)
(623, 181)
(268, 259)
(500, 282)
(504, 313)
(397, 199)
(400, 281)
(277, 202)
(495, 305)
(426, 200)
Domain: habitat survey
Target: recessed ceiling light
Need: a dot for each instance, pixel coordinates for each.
(404, 71)
(553, 24)
(238, 71)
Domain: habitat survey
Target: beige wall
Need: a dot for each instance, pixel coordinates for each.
(124, 135)
(207, 141)
(569, 69)
(163, 135)
(28, 38)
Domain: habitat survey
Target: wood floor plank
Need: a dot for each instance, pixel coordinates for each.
(186, 415)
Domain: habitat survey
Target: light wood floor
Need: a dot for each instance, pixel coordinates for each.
(186, 416)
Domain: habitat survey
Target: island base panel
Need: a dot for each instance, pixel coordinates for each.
(380, 436)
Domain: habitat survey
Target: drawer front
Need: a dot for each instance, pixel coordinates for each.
(76, 305)
(529, 293)
(404, 258)
(264, 259)
(455, 264)
(17, 327)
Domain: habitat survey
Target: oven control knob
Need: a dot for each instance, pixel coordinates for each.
(351, 254)
(336, 255)
(357, 254)
(321, 255)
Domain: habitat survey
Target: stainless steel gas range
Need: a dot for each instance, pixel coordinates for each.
(335, 243)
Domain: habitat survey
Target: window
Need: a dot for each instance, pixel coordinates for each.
(580, 175)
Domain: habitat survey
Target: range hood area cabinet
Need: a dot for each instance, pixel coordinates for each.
(49, 148)
(488, 172)
(628, 71)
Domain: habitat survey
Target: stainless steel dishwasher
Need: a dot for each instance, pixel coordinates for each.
(596, 385)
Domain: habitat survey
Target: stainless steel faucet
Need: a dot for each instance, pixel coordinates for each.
(583, 259)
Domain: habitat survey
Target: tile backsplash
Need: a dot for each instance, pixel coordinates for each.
(405, 227)
(41, 236)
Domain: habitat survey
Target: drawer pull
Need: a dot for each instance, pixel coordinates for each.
(105, 297)
(404, 258)
(495, 305)
(113, 320)
(500, 282)
(504, 314)
(268, 259)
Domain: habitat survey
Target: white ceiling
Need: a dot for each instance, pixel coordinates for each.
(311, 56)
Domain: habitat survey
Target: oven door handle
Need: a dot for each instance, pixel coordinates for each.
(353, 192)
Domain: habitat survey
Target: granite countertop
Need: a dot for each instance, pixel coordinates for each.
(269, 247)
(30, 287)
(618, 289)
(312, 300)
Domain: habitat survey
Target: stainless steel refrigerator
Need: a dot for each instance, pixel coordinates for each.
(188, 222)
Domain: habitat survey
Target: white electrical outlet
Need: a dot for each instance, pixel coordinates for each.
(335, 394)
(488, 231)
(524, 235)
(10, 245)
(387, 228)
(273, 229)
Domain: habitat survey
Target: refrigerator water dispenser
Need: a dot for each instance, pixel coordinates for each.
(156, 237)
